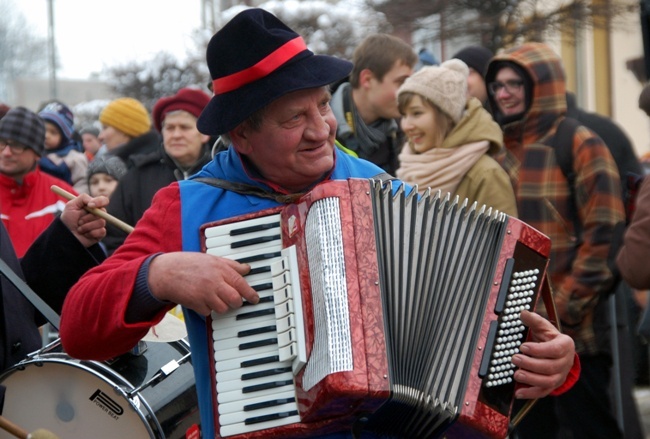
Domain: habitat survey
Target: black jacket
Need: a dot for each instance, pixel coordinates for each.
(144, 144)
(614, 137)
(135, 191)
(53, 263)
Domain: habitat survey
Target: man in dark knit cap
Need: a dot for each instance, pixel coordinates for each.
(477, 59)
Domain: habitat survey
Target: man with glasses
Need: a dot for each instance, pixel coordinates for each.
(27, 203)
(528, 99)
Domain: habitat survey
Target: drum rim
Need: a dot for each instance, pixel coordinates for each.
(144, 411)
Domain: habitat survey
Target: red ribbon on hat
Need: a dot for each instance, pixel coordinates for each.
(263, 68)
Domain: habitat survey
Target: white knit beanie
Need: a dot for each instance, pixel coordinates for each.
(444, 85)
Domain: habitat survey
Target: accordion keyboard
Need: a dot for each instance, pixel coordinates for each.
(254, 383)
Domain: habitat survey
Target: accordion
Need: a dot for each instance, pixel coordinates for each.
(381, 311)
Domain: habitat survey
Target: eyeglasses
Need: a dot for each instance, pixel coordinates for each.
(14, 147)
(511, 86)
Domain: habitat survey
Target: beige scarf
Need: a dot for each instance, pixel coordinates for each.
(439, 168)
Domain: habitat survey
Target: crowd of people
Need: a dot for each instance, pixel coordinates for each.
(487, 128)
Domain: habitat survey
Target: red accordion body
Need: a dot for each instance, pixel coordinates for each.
(383, 309)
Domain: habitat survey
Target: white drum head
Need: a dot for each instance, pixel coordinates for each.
(72, 401)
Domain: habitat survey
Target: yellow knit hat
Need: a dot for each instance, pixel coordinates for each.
(127, 115)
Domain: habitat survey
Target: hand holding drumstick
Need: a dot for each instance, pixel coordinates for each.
(20, 433)
(100, 213)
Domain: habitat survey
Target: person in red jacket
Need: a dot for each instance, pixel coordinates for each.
(281, 143)
(27, 204)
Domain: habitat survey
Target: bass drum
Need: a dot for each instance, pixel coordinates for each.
(132, 396)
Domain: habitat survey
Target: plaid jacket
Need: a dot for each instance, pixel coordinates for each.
(579, 272)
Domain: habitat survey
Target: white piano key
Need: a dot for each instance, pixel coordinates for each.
(288, 352)
(239, 406)
(284, 309)
(243, 311)
(237, 395)
(285, 323)
(244, 330)
(229, 354)
(287, 337)
(233, 429)
(260, 282)
(236, 363)
(227, 228)
(238, 385)
(240, 417)
(280, 265)
(281, 280)
(283, 294)
(224, 332)
(248, 241)
(242, 325)
(236, 374)
(235, 342)
(244, 252)
(267, 254)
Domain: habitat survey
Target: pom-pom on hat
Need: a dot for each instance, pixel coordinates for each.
(107, 164)
(188, 99)
(25, 127)
(476, 57)
(255, 59)
(61, 116)
(127, 115)
(444, 85)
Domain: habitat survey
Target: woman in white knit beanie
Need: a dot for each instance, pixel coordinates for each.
(451, 139)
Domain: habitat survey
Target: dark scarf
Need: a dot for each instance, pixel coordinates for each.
(369, 137)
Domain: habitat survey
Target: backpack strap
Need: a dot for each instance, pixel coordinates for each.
(562, 144)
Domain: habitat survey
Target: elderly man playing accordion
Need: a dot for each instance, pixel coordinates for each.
(272, 101)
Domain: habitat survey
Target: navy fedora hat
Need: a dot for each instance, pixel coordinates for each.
(255, 59)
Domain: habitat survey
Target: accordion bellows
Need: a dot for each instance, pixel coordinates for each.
(410, 313)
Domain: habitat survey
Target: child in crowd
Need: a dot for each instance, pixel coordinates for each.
(103, 175)
(62, 159)
(90, 141)
(450, 139)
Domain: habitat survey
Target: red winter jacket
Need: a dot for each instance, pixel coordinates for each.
(28, 208)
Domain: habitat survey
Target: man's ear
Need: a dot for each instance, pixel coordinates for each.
(239, 137)
(365, 76)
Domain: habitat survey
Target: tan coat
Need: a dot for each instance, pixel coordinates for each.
(463, 164)
(632, 260)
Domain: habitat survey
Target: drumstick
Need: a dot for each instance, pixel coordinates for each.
(20, 433)
(100, 213)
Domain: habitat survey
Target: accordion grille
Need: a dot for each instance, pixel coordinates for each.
(332, 348)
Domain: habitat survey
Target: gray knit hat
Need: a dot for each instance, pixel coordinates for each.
(23, 126)
(107, 164)
(444, 85)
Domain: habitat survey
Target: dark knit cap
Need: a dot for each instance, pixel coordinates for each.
(476, 57)
(111, 165)
(61, 116)
(89, 130)
(25, 127)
